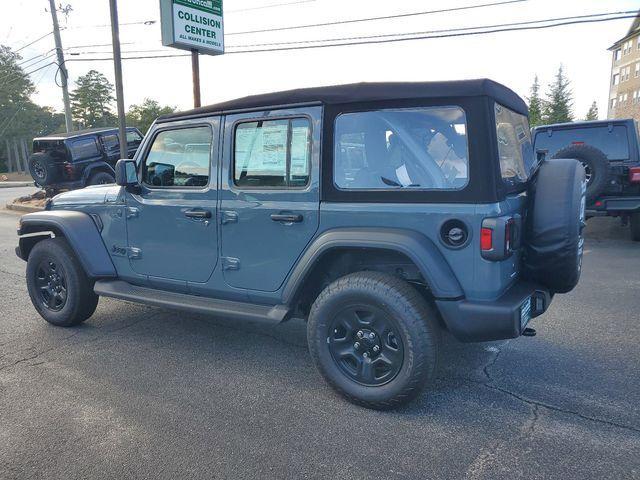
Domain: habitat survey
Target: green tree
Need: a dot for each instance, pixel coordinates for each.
(592, 114)
(20, 118)
(91, 101)
(559, 103)
(535, 104)
(143, 115)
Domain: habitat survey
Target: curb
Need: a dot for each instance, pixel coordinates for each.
(15, 184)
(23, 208)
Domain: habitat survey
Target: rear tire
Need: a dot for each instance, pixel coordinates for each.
(58, 286)
(596, 167)
(42, 169)
(101, 178)
(634, 224)
(374, 339)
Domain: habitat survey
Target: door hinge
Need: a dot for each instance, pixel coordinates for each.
(229, 216)
(230, 263)
(132, 212)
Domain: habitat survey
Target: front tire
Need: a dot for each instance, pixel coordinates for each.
(374, 339)
(59, 288)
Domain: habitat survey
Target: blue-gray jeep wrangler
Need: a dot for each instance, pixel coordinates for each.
(378, 212)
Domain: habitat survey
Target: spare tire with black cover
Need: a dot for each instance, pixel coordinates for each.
(42, 169)
(596, 166)
(555, 220)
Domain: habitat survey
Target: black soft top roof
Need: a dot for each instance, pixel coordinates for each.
(80, 133)
(364, 92)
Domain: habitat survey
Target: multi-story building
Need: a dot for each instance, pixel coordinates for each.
(624, 90)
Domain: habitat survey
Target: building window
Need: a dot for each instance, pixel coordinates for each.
(635, 97)
(616, 79)
(617, 55)
(614, 102)
(637, 72)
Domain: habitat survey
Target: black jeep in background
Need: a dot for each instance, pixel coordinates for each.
(609, 151)
(77, 159)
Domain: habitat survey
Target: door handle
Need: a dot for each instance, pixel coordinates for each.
(286, 217)
(198, 214)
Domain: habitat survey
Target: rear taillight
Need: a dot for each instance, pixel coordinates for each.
(486, 239)
(499, 237)
(577, 143)
(634, 175)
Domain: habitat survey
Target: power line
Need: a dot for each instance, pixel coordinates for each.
(15, 75)
(35, 41)
(504, 28)
(270, 6)
(385, 17)
(447, 30)
(10, 119)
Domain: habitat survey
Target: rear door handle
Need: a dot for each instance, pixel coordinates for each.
(197, 213)
(286, 217)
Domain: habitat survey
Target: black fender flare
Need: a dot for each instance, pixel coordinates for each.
(79, 229)
(417, 247)
(102, 165)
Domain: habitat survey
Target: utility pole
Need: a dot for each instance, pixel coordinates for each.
(117, 65)
(195, 72)
(64, 75)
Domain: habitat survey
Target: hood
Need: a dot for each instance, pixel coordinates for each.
(92, 195)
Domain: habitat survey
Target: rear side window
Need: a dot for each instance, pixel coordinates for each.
(179, 158)
(613, 142)
(514, 145)
(83, 148)
(272, 153)
(133, 137)
(413, 148)
(111, 142)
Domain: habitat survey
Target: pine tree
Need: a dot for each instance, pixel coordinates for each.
(592, 114)
(559, 103)
(535, 104)
(143, 115)
(91, 101)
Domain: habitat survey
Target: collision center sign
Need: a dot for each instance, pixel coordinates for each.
(193, 24)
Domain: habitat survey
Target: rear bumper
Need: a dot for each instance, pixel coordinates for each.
(481, 321)
(611, 205)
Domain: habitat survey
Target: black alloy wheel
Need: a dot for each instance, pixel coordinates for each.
(365, 344)
(58, 286)
(52, 284)
(39, 171)
(374, 338)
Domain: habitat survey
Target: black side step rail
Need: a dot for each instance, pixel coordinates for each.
(191, 303)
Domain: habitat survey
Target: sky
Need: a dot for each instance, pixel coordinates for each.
(512, 58)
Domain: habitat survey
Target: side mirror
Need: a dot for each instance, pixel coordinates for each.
(126, 173)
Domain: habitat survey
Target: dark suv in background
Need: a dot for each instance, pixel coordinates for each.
(65, 161)
(609, 151)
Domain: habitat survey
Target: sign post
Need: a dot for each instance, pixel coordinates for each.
(194, 25)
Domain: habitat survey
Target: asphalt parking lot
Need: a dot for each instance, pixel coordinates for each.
(140, 392)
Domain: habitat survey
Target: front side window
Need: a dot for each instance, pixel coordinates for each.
(133, 137)
(272, 153)
(414, 148)
(179, 158)
(83, 148)
(514, 145)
